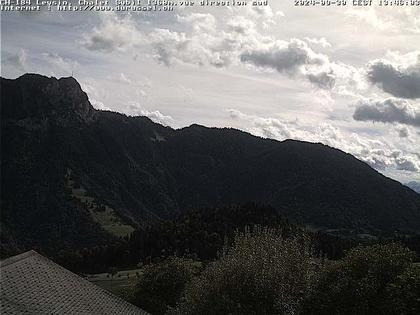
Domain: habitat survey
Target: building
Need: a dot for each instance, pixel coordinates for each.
(33, 284)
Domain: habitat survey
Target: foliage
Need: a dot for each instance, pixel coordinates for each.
(404, 292)
(365, 281)
(262, 273)
(203, 232)
(161, 285)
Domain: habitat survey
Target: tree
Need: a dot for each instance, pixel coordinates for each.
(359, 283)
(261, 273)
(404, 292)
(161, 285)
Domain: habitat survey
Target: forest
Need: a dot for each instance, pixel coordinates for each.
(246, 258)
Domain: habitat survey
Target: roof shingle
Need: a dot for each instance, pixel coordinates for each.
(33, 284)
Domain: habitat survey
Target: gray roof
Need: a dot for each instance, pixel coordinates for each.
(33, 284)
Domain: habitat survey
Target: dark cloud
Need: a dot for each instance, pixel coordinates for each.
(285, 59)
(387, 111)
(403, 132)
(293, 58)
(404, 164)
(325, 80)
(399, 81)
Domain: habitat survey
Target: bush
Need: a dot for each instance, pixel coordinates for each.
(161, 285)
(405, 292)
(359, 283)
(262, 273)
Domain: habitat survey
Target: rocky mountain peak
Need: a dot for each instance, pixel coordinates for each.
(39, 97)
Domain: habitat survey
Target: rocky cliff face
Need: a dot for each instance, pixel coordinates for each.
(38, 97)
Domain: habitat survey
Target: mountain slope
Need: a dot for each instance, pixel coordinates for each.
(414, 186)
(65, 164)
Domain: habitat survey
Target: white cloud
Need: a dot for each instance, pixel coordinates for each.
(199, 21)
(113, 34)
(322, 41)
(264, 14)
(241, 25)
(407, 163)
(403, 18)
(372, 17)
(95, 92)
(99, 105)
(19, 59)
(377, 153)
(62, 66)
(233, 40)
(124, 78)
(156, 116)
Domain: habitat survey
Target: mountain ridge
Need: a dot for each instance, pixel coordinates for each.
(145, 171)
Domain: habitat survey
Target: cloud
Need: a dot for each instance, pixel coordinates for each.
(377, 153)
(403, 132)
(400, 19)
(170, 46)
(205, 45)
(398, 79)
(199, 21)
(285, 57)
(211, 42)
(408, 164)
(65, 66)
(113, 34)
(263, 13)
(322, 79)
(318, 41)
(235, 40)
(124, 78)
(241, 25)
(136, 110)
(158, 117)
(371, 17)
(99, 105)
(19, 59)
(390, 110)
(265, 127)
(97, 93)
(292, 58)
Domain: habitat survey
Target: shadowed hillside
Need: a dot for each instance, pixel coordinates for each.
(68, 170)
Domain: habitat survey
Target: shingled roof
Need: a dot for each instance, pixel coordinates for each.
(33, 284)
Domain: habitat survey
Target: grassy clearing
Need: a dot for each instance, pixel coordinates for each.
(121, 284)
(102, 214)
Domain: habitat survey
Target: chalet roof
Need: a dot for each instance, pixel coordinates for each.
(33, 284)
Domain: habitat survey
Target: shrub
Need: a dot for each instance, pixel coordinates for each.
(161, 285)
(261, 273)
(404, 292)
(358, 283)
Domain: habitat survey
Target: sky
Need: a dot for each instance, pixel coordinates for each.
(346, 76)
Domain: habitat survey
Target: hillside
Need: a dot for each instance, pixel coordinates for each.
(73, 176)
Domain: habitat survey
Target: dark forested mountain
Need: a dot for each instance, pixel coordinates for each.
(75, 176)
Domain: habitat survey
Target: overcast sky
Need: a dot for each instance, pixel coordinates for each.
(347, 77)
